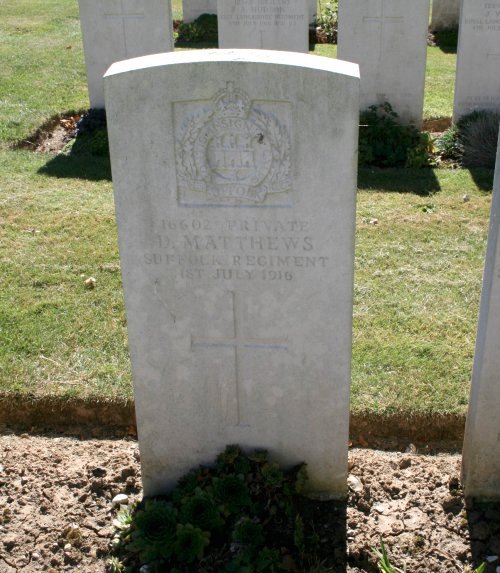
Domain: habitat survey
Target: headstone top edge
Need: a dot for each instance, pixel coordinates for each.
(293, 59)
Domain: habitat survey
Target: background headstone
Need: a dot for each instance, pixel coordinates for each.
(477, 83)
(445, 15)
(192, 9)
(481, 451)
(115, 30)
(264, 24)
(388, 39)
(235, 182)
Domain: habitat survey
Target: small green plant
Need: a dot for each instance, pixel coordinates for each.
(448, 145)
(384, 564)
(237, 516)
(384, 142)
(203, 29)
(327, 22)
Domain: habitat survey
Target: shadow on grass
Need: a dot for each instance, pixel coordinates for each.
(422, 182)
(483, 520)
(482, 177)
(84, 166)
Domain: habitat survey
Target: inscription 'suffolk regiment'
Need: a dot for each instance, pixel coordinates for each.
(233, 152)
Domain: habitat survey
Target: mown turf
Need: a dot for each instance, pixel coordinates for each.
(419, 253)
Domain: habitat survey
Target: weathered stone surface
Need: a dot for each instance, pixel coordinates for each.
(477, 83)
(115, 30)
(445, 15)
(388, 39)
(264, 24)
(481, 451)
(192, 9)
(235, 181)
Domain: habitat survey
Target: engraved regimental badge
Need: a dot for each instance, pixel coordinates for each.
(233, 151)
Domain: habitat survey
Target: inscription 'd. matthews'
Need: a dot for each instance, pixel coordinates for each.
(233, 151)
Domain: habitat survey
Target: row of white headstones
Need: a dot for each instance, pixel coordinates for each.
(387, 38)
(445, 13)
(235, 181)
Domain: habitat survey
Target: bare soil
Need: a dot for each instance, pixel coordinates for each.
(56, 508)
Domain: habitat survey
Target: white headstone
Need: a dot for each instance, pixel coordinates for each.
(481, 451)
(445, 15)
(263, 24)
(192, 9)
(477, 83)
(235, 182)
(388, 39)
(115, 30)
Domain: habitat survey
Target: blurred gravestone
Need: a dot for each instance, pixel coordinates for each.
(235, 183)
(481, 451)
(277, 25)
(388, 39)
(445, 15)
(192, 9)
(115, 30)
(477, 84)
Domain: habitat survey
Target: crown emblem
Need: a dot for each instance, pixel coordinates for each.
(230, 151)
(232, 102)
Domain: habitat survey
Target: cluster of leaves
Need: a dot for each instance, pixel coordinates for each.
(472, 140)
(327, 22)
(384, 142)
(91, 134)
(203, 29)
(235, 517)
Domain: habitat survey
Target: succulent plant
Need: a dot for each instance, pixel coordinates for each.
(231, 492)
(155, 530)
(190, 543)
(248, 532)
(272, 474)
(201, 511)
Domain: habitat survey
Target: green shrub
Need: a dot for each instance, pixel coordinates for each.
(448, 145)
(327, 22)
(478, 136)
(238, 516)
(384, 142)
(203, 29)
(472, 141)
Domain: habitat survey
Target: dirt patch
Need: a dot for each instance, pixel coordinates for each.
(53, 135)
(436, 125)
(56, 508)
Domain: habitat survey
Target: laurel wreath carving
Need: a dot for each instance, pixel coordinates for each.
(278, 179)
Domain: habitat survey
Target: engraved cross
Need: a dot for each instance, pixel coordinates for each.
(382, 20)
(240, 344)
(123, 13)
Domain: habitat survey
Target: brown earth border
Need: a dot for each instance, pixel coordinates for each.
(429, 432)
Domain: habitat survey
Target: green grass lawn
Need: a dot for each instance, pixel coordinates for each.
(419, 253)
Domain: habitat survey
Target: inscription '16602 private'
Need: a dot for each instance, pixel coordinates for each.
(232, 151)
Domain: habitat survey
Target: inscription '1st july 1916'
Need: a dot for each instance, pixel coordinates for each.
(235, 249)
(231, 151)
